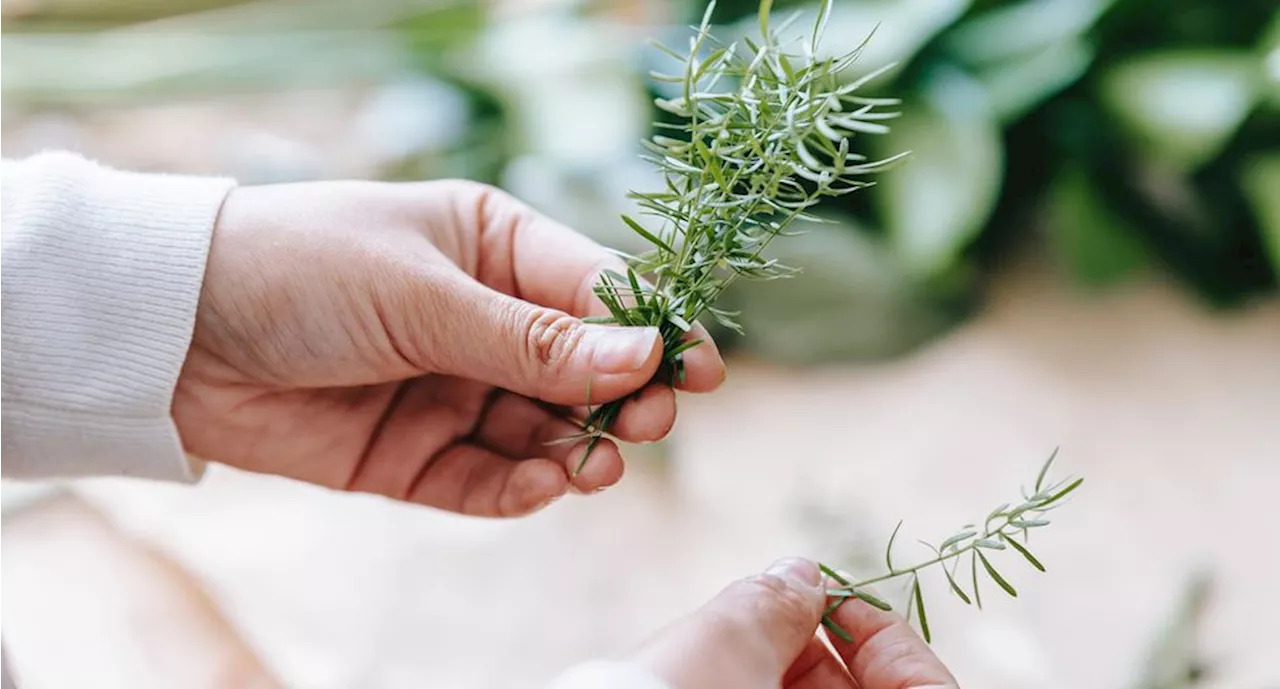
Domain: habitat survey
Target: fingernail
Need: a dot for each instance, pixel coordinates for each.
(619, 350)
(799, 572)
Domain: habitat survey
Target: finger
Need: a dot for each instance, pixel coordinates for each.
(704, 369)
(747, 636)
(476, 332)
(521, 429)
(525, 254)
(818, 668)
(647, 416)
(416, 453)
(532, 257)
(476, 481)
(886, 652)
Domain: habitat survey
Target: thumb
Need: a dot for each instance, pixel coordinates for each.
(541, 352)
(747, 636)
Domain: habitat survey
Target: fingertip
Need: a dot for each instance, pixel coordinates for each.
(649, 417)
(603, 468)
(618, 361)
(704, 367)
(624, 350)
(886, 651)
(535, 484)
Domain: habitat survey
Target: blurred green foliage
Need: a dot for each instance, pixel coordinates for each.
(1126, 136)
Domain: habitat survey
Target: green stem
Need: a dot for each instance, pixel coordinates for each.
(988, 532)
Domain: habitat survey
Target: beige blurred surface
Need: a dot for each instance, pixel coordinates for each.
(1171, 414)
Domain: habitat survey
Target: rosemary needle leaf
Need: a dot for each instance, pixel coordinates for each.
(888, 549)
(682, 348)
(1044, 471)
(1025, 553)
(963, 535)
(647, 235)
(869, 599)
(973, 571)
(836, 629)
(995, 576)
(835, 576)
(1062, 493)
(924, 619)
(955, 587)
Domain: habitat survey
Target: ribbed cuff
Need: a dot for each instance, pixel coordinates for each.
(607, 674)
(104, 270)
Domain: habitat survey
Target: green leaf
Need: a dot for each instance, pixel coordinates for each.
(1062, 493)
(1025, 553)
(869, 599)
(955, 587)
(836, 629)
(1044, 470)
(1018, 86)
(649, 236)
(995, 576)
(935, 205)
(676, 320)
(1182, 105)
(836, 576)
(1098, 246)
(924, 619)
(1011, 32)
(973, 571)
(682, 348)
(963, 535)
(989, 544)
(1260, 180)
(888, 550)
(636, 292)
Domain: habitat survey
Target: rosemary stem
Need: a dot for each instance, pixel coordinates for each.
(988, 532)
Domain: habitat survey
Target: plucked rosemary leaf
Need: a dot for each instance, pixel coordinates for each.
(1003, 525)
(765, 131)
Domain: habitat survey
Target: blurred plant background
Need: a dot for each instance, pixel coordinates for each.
(1118, 142)
(1123, 135)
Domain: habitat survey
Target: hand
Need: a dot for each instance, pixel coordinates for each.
(420, 341)
(761, 633)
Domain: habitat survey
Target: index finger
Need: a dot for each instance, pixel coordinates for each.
(886, 652)
(534, 258)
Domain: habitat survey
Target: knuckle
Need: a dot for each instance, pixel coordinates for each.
(551, 337)
(780, 604)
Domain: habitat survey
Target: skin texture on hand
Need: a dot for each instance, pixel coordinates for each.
(421, 341)
(763, 633)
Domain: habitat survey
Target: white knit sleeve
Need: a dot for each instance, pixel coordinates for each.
(102, 272)
(607, 674)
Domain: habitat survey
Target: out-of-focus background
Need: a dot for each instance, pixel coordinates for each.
(1083, 252)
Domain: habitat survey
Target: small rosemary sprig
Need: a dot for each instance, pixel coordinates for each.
(999, 531)
(764, 135)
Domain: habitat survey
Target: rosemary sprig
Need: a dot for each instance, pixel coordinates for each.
(1000, 531)
(765, 134)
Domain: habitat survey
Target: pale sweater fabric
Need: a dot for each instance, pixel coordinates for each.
(102, 273)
